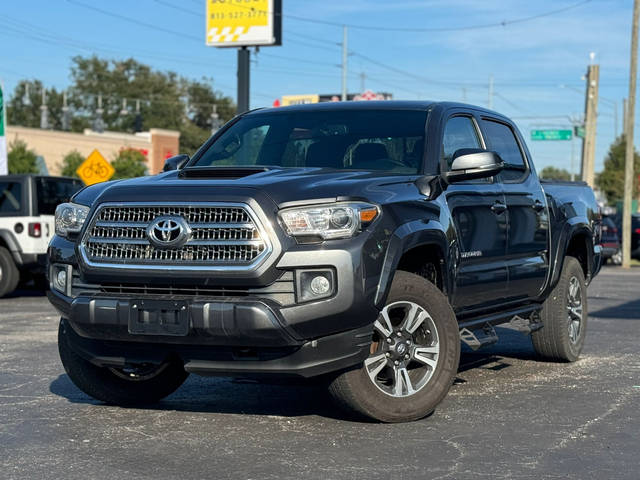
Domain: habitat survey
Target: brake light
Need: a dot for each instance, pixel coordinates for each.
(614, 229)
(637, 230)
(35, 230)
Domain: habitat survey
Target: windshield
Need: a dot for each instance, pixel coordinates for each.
(388, 140)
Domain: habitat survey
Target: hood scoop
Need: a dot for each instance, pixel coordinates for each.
(229, 173)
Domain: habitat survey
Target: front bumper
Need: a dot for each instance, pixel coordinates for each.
(317, 357)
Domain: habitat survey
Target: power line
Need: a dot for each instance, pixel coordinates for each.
(385, 28)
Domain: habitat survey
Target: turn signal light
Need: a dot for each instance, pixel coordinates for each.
(368, 215)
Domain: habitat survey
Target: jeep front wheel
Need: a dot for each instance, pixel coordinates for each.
(414, 356)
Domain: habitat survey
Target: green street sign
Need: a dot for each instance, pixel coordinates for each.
(551, 134)
(578, 132)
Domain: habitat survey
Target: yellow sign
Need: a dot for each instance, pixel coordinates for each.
(299, 99)
(232, 23)
(95, 169)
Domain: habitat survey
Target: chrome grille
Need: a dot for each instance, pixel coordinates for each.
(222, 235)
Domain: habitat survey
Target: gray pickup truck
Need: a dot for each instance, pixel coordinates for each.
(357, 242)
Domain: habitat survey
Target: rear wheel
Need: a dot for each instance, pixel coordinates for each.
(9, 274)
(129, 385)
(564, 316)
(414, 356)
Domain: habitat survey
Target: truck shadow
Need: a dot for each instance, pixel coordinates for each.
(626, 311)
(292, 398)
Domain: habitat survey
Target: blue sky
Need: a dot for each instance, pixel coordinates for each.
(537, 65)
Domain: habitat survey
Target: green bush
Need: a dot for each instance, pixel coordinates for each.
(21, 159)
(129, 163)
(70, 163)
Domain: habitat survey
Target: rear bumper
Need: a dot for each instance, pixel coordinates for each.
(311, 358)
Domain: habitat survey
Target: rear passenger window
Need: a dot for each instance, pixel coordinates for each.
(501, 139)
(52, 192)
(10, 197)
(460, 132)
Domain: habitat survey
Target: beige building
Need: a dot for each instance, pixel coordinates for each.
(53, 145)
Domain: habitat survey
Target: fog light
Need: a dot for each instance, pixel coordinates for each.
(59, 279)
(320, 285)
(314, 284)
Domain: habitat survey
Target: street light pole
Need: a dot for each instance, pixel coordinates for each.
(629, 150)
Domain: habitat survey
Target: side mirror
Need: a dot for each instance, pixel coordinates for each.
(472, 163)
(175, 163)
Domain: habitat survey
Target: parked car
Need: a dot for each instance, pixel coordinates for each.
(357, 241)
(27, 207)
(611, 247)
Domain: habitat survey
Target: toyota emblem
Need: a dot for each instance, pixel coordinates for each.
(168, 232)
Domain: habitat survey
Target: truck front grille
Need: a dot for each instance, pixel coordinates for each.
(224, 236)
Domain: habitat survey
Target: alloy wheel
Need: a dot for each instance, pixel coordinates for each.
(405, 349)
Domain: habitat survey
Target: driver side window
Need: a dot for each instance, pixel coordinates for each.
(459, 132)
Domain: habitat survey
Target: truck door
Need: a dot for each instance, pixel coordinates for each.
(478, 211)
(528, 217)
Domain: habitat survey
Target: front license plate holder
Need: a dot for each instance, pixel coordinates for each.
(159, 317)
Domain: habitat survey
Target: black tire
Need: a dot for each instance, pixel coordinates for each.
(9, 274)
(554, 341)
(355, 391)
(113, 386)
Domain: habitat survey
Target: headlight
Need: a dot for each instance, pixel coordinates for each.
(336, 220)
(69, 218)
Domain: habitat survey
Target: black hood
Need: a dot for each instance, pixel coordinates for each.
(282, 185)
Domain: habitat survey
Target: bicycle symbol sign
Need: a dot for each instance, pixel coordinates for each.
(95, 169)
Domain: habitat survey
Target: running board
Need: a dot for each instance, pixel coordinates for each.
(480, 337)
(497, 318)
(526, 325)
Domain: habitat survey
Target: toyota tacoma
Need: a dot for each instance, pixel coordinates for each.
(356, 242)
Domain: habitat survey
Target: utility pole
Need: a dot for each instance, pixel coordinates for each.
(590, 117)
(44, 111)
(244, 57)
(490, 103)
(363, 77)
(344, 63)
(464, 94)
(629, 150)
(66, 121)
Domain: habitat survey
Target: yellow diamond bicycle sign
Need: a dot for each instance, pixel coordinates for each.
(95, 169)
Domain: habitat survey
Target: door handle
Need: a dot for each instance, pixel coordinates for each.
(538, 206)
(498, 208)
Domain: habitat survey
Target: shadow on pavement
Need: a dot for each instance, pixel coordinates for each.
(627, 311)
(293, 398)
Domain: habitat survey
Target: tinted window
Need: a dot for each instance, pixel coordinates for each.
(460, 132)
(10, 197)
(501, 139)
(52, 192)
(389, 140)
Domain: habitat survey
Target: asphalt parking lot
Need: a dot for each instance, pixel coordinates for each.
(508, 415)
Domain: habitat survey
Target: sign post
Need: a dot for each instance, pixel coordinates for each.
(95, 169)
(4, 167)
(243, 24)
(555, 134)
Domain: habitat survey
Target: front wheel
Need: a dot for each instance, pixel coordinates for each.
(131, 385)
(414, 356)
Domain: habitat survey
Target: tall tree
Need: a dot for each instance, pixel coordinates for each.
(166, 100)
(611, 180)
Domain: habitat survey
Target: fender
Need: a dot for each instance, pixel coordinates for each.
(406, 237)
(573, 226)
(12, 244)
